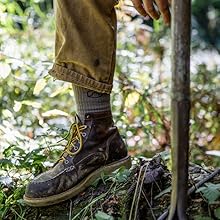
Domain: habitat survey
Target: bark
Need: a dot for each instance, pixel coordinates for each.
(180, 104)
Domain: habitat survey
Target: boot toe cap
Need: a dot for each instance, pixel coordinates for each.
(37, 189)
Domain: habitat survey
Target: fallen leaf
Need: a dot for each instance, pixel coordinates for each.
(5, 70)
(54, 113)
(39, 86)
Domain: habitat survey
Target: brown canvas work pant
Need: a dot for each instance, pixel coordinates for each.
(85, 43)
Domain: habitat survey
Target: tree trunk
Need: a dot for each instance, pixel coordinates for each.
(180, 104)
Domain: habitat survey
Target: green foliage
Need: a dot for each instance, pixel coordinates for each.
(217, 213)
(206, 23)
(103, 216)
(198, 217)
(18, 14)
(210, 191)
(122, 175)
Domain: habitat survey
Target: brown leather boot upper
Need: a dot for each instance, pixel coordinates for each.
(92, 145)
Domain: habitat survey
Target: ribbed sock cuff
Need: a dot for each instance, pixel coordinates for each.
(89, 101)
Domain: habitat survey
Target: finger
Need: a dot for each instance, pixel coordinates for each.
(149, 8)
(139, 7)
(163, 7)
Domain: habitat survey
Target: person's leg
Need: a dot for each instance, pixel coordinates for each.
(85, 43)
(90, 101)
(85, 51)
(85, 56)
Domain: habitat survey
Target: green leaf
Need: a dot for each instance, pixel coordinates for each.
(217, 213)
(167, 190)
(157, 25)
(122, 175)
(5, 163)
(8, 151)
(199, 217)
(2, 196)
(96, 182)
(103, 216)
(210, 191)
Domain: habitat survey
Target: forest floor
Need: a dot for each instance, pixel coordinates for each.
(143, 192)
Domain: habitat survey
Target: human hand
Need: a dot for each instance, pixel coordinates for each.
(147, 7)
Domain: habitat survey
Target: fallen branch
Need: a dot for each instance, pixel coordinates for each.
(200, 183)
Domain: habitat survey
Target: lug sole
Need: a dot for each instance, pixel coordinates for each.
(80, 187)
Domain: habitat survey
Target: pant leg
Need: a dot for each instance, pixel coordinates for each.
(85, 43)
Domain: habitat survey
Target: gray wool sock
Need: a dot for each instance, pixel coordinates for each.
(89, 101)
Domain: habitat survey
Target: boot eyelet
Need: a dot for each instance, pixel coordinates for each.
(66, 161)
(84, 134)
(75, 148)
(68, 169)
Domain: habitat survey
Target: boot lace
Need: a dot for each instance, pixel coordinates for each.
(75, 135)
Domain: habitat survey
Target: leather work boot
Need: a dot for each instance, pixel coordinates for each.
(93, 148)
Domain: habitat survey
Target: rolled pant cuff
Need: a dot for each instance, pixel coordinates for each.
(69, 75)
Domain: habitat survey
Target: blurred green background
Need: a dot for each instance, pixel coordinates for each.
(36, 110)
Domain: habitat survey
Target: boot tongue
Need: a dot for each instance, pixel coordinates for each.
(78, 120)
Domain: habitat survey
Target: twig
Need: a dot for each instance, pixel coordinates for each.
(149, 204)
(13, 210)
(156, 183)
(71, 207)
(137, 190)
(164, 215)
(139, 193)
(91, 213)
(197, 185)
(192, 190)
(151, 193)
